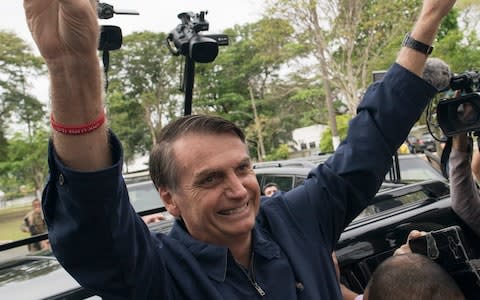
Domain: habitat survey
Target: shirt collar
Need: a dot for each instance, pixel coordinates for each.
(213, 259)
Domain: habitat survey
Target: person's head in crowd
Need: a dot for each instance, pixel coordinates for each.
(411, 277)
(36, 206)
(209, 183)
(270, 188)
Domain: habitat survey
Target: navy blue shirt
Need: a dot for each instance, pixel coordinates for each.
(99, 239)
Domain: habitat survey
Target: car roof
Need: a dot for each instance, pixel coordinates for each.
(144, 196)
(35, 277)
(137, 176)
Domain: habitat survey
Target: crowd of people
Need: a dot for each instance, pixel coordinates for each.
(225, 243)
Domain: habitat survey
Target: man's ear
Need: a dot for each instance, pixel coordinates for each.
(168, 200)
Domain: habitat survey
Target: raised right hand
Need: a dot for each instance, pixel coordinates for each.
(63, 29)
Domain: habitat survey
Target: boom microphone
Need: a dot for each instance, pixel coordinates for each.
(437, 73)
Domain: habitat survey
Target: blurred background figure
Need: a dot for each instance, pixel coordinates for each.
(270, 188)
(34, 223)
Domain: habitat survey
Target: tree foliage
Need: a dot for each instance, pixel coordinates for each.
(18, 65)
(241, 84)
(326, 138)
(348, 38)
(26, 163)
(145, 74)
(23, 156)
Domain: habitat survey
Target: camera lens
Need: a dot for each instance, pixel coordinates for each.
(467, 113)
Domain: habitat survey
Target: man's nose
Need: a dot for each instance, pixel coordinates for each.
(234, 187)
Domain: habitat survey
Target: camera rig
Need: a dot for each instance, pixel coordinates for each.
(457, 113)
(461, 113)
(185, 40)
(111, 37)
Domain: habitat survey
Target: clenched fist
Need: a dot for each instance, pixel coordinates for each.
(63, 28)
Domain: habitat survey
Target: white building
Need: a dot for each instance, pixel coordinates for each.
(308, 138)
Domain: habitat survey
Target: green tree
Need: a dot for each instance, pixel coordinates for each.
(279, 153)
(348, 37)
(238, 83)
(18, 65)
(26, 163)
(459, 45)
(145, 73)
(326, 139)
(129, 124)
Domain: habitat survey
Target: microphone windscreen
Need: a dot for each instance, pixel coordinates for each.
(437, 73)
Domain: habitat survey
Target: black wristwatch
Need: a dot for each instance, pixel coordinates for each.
(412, 43)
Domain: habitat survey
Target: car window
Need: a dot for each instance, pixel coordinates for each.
(391, 203)
(402, 197)
(144, 196)
(284, 182)
(417, 169)
(299, 180)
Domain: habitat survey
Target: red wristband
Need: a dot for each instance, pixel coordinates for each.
(80, 129)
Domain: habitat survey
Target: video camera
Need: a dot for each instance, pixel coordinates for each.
(185, 40)
(110, 36)
(462, 112)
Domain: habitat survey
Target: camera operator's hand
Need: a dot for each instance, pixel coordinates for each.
(405, 248)
(66, 33)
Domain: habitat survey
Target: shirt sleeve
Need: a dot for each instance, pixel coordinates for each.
(95, 233)
(463, 190)
(338, 190)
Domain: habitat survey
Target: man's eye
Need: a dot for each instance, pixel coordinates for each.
(209, 180)
(244, 168)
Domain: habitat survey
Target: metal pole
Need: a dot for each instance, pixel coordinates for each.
(189, 79)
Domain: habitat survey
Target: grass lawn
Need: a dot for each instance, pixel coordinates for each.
(10, 221)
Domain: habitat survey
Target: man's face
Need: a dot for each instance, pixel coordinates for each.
(269, 191)
(218, 195)
(36, 206)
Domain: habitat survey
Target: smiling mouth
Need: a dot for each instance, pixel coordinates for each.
(233, 211)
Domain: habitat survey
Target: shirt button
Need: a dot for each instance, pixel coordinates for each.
(299, 286)
(61, 180)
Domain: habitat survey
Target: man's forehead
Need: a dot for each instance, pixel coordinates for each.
(203, 149)
(194, 140)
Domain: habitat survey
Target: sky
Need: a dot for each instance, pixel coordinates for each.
(155, 15)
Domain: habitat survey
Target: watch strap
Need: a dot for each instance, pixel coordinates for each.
(412, 43)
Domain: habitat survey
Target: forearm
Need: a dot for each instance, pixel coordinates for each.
(463, 191)
(95, 233)
(347, 294)
(424, 30)
(66, 34)
(76, 97)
